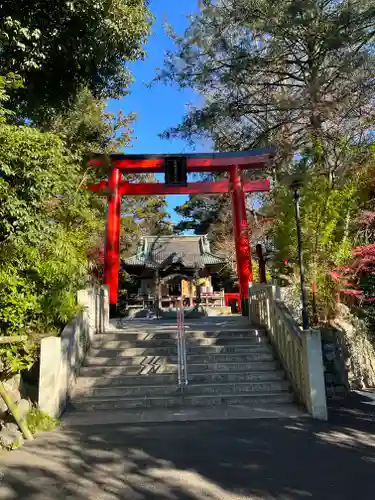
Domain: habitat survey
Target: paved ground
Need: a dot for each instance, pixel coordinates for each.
(221, 460)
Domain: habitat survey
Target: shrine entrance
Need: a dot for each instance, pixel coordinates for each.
(176, 169)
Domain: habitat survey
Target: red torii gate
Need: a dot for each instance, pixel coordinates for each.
(233, 163)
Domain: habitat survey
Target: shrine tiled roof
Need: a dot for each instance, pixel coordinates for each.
(189, 251)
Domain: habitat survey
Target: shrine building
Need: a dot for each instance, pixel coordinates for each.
(176, 269)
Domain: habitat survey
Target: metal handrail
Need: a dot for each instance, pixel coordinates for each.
(185, 369)
(181, 350)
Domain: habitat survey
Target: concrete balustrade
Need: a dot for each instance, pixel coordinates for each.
(61, 357)
(300, 352)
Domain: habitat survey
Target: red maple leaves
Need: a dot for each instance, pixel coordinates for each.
(361, 266)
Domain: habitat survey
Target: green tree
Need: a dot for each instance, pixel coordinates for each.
(201, 212)
(296, 73)
(325, 221)
(58, 48)
(68, 59)
(48, 223)
(47, 227)
(86, 126)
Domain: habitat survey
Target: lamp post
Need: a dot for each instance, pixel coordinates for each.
(197, 286)
(157, 292)
(296, 186)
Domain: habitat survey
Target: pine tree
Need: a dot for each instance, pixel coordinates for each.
(297, 73)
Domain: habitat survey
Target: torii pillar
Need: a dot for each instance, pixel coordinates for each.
(112, 242)
(241, 236)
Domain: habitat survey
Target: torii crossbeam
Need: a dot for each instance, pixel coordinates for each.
(232, 163)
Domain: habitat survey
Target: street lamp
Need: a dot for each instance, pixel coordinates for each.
(295, 185)
(157, 292)
(198, 298)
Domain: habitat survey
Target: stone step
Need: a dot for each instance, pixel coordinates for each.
(230, 357)
(228, 348)
(223, 328)
(126, 344)
(132, 370)
(254, 335)
(189, 327)
(171, 334)
(229, 341)
(91, 382)
(132, 336)
(232, 367)
(151, 391)
(172, 350)
(194, 413)
(180, 401)
(133, 359)
(143, 368)
(132, 366)
(133, 352)
(103, 342)
(171, 378)
(235, 377)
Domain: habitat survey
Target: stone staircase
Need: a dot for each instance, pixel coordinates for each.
(130, 374)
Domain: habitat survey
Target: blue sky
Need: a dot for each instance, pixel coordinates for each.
(161, 106)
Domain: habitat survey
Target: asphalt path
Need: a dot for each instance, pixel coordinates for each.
(281, 459)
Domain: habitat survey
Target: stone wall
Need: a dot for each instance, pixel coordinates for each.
(334, 355)
(347, 347)
(61, 357)
(358, 348)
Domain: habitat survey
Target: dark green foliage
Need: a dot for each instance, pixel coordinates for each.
(298, 75)
(291, 73)
(46, 228)
(200, 213)
(59, 47)
(87, 127)
(61, 60)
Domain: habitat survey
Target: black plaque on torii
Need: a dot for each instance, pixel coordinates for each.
(175, 169)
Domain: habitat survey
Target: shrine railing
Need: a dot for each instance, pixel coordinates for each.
(182, 372)
(300, 352)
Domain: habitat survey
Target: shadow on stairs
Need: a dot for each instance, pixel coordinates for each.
(130, 375)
